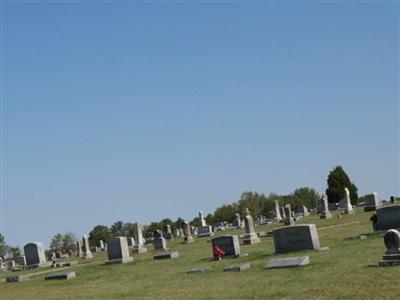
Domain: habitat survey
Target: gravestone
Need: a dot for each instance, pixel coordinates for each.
(345, 204)
(237, 223)
(86, 248)
(325, 214)
(118, 250)
(278, 216)
(290, 262)
(1, 265)
(387, 217)
(372, 202)
(251, 235)
(168, 232)
(35, 254)
(19, 278)
(79, 252)
(295, 238)
(131, 242)
(187, 234)
(202, 220)
(289, 221)
(228, 243)
(237, 268)
(60, 276)
(101, 244)
(160, 243)
(392, 254)
(11, 265)
(177, 233)
(305, 211)
(283, 213)
(138, 235)
(166, 255)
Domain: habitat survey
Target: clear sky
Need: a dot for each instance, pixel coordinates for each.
(136, 112)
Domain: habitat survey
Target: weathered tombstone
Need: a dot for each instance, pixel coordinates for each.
(283, 213)
(181, 231)
(168, 232)
(372, 202)
(60, 276)
(295, 238)
(345, 204)
(79, 252)
(101, 245)
(138, 235)
(160, 243)
(228, 243)
(325, 214)
(290, 262)
(86, 248)
(289, 221)
(11, 265)
(205, 231)
(278, 216)
(131, 242)
(35, 254)
(118, 250)
(177, 233)
(1, 265)
(251, 236)
(21, 260)
(392, 243)
(305, 211)
(19, 278)
(237, 223)
(186, 231)
(202, 220)
(387, 217)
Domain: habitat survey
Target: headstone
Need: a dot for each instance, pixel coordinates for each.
(186, 231)
(345, 204)
(60, 276)
(325, 214)
(237, 223)
(181, 232)
(199, 270)
(290, 262)
(168, 232)
(19, 278)
(305, 211)
(101, 245)
(278, 216)
(11, 265)
(177, 233)
(392, 199)
(79, 252)
(118, 250)
(138, 235)
(283, 213)
(372, 202)
(1, 265)
(160, 243)
(35, 254)
(295, 238)
(289, 221)
(86, 248)
(237, 268)
(392, 243)
(202, 220)
(166, 255)
(228, 243)
(205, 231)
(251, 235)
(130, 241)
(387, 217)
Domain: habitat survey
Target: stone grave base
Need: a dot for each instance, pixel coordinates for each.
(250, 239)
(166, 255)
(199, 270)
(18, 278)
(237, 268)
(390, 260)
(120, 261)
(60, 276)
(326, 216)
(290, 262)
(66, 264)
(139, 249)
(188, 240)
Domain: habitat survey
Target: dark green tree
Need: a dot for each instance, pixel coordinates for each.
(337, 181)
(56, 243)
(4, 249)
(225, 213)
(99, 232)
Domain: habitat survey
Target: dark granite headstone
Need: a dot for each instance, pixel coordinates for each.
(228, 243)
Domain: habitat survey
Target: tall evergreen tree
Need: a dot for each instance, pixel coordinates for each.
(337, 181)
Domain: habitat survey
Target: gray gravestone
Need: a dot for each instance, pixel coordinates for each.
(289, 221)
(35, 254)
(187, 234)
(295, 238)
(228, 243)
(290, 262)
(325, 214)
(237, 268)
(60, 276)
(392, 243)
(388, 217)
(166, 255)
(131, 242)
(278, 217)
(86, 248)
(372, 202)
(345, 204)
(237, 223)
(205, 231)
(160, 244)
(118, 250)
(139, 241)
(251, 236)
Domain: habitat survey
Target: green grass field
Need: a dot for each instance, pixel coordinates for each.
(347, 271)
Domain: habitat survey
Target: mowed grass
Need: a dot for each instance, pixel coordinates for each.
(347, 271)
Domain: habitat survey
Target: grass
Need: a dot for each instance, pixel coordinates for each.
(347, 271)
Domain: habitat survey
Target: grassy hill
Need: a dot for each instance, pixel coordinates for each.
(347, 271)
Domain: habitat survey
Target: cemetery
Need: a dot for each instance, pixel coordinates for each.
(285, 262)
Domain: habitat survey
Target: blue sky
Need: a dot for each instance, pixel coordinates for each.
(137, 112)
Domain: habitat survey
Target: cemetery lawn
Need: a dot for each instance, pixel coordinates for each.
(348, 270)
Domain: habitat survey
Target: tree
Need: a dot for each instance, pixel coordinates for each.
(117, 229)
(56, 243)
(337, 181)
(15, 252)
(253, 201)
(99, 232)
(225, 213)
(68, 242)
(4, 249)
(305, 196)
